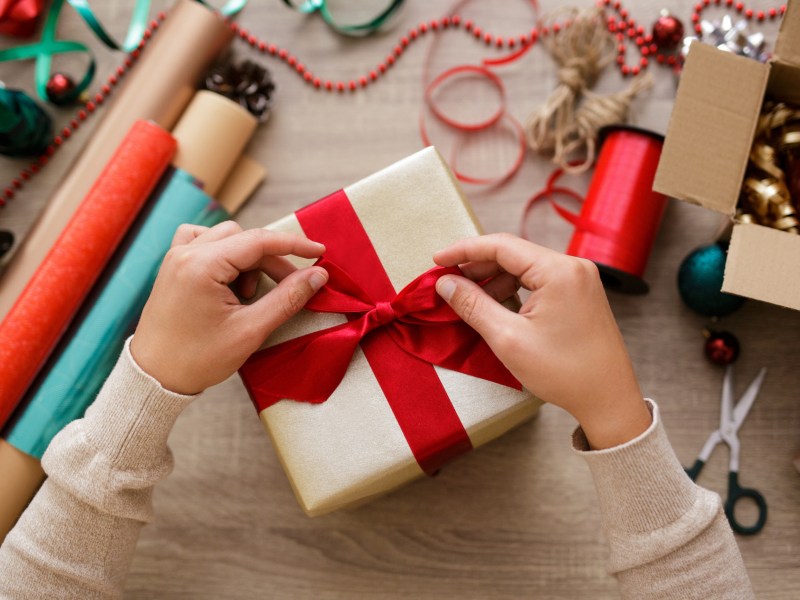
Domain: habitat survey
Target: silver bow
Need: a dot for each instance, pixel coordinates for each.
(731, 37)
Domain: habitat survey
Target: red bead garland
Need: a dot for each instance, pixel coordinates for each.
(627, 27)
(406, 41)
(622, 25)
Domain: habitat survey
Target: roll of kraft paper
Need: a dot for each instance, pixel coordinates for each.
(211, 136)
(54, 294)
(26, 475)
(158, 87)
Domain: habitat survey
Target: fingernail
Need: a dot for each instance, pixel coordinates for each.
(446, 287)
(316, 280)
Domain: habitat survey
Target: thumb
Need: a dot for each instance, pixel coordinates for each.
(285, 300)
(477, 308)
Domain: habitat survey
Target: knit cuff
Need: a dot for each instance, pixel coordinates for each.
(641, 485)
(132, 417)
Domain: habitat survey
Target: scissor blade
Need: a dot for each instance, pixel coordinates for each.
(726, 406)
(746, 401)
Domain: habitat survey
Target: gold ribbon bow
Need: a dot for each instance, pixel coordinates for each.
(766, 197)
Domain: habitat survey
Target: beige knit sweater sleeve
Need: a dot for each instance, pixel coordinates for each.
(668, 538)
(77, 537)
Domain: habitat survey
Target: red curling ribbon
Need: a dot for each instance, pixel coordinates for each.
(402, 335)
(501, 115)
(477, 126)
(519, 133)
(20, 17)
(621, 215)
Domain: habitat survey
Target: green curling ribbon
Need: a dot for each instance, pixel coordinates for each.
(231, 8)
(25, 129)
(44, 50)
(359, 29)
(136, 29)
(47, 47)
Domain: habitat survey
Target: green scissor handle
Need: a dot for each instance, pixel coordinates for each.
(736, 493)
(695, 469)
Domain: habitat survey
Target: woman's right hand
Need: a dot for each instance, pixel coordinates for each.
(194, 331)
(564, 345)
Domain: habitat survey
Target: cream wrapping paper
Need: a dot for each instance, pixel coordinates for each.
(350, 448)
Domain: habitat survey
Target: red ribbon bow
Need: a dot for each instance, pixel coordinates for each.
(401, 334)
(417, 320)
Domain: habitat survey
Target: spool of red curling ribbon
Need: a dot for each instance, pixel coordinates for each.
(621, 214)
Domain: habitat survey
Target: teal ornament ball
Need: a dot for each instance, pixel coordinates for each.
(25, 129)
(700, 282)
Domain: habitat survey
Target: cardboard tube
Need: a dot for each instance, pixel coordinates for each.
(157, 88)
(22, 476)
(211, 136)
(54, 294)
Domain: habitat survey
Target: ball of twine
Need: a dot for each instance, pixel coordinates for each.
(561, 129)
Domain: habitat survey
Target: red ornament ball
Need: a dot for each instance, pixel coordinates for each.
(667, 32)
(722, 348)
(58, 86)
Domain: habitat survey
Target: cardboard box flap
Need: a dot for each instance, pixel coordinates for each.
(787, 47)
(784, 83)
(763, 263)
(711, 129)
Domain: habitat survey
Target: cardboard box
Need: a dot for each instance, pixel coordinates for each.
(350, 448)
(707, 147)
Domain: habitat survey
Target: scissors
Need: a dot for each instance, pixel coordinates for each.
(731, 420)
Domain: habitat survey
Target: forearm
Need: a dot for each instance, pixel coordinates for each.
(668, 538)
(77, 537)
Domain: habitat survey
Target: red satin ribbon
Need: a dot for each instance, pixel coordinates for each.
(19, 17)
(402, 335)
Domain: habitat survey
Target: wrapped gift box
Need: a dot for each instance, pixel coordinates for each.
(707, 148)
(357, 443)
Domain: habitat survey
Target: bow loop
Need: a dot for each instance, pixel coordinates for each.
(340, 294)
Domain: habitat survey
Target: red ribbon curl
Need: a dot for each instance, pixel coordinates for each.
(402, 335)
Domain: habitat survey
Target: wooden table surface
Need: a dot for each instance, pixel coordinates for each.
(517, 518)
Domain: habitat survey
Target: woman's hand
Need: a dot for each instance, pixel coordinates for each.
(564, 344)
(194, 331)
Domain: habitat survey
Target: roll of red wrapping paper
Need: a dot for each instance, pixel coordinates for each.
(48, 303)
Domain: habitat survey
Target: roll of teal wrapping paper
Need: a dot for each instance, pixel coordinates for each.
(76, 377)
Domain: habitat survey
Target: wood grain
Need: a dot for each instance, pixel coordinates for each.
(517, 518)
